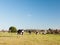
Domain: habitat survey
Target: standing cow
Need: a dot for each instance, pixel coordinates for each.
(36, 32)
(20, 31)
(29, 32)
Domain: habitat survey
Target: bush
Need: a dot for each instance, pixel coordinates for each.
(12, 29)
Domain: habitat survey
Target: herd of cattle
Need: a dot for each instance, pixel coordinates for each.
(22, 32)
(39, 31)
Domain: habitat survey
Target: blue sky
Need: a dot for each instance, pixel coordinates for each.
(30, 14)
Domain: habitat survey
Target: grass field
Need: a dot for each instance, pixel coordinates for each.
(26, 39)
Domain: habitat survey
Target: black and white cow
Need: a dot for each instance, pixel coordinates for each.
(20, 31)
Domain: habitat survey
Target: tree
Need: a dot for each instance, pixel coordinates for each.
(56, 31)
(51, 31)
(12, 29)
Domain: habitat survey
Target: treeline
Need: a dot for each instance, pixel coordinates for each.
(13, 29)
(51, 31)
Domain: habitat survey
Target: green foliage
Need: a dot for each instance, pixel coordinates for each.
(12, 29)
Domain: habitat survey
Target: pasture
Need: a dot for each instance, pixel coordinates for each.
(26, 39)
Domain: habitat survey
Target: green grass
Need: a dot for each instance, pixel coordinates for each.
(26, 39)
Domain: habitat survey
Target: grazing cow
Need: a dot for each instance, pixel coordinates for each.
(29, 32)
(36, 32)
(43, 32)
(20, 31)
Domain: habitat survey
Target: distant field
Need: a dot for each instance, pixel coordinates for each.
(26, 39)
